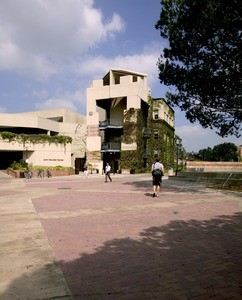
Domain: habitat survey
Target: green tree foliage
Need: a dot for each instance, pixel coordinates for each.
(225, 152)
(206, 154)
(221, 152)
(203, 61)
(35, 138)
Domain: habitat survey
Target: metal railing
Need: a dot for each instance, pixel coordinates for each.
(111, 146)
(110, 123)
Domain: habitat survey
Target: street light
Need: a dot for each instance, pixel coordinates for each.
(178, 146)
(26, 156)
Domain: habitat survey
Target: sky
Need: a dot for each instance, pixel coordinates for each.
(52, 50)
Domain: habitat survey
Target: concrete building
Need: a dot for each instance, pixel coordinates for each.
(124, 126)
(163, 121)
(120, 118)
(31, 125)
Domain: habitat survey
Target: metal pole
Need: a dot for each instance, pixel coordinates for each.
(177, 151)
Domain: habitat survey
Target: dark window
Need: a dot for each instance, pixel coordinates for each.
(156, 114)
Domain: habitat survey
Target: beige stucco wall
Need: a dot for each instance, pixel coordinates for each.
(23, 120)
(164, 112)
(68, 115)
(64, 122)
(133, 91)
(210, 166)
(41, 154)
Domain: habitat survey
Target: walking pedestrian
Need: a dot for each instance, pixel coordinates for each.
(107, 173)
(86, 171)
(157, 173)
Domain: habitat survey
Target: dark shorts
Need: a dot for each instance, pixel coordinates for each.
(157, 180)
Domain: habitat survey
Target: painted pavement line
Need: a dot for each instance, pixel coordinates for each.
(106, 210)
(88, 212)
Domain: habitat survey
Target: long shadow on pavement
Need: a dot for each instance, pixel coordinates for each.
(181, 260)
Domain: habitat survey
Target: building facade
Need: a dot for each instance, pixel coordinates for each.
(163, 120)
(124, 126)
(25, 136)
(121, 118)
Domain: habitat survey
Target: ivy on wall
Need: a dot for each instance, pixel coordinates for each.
(164, 144)
(35, 138)
(132, 133)
(150, 141)
(134, 122)
(129, 126)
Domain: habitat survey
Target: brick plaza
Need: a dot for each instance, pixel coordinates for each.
(76, 238)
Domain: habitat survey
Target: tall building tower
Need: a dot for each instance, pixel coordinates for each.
(115, 105)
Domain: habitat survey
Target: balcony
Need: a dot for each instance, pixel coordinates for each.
(110, 123)
(111, 147)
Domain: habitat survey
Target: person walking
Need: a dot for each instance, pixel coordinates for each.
(157, 173)
(107, 173)
(86, 171)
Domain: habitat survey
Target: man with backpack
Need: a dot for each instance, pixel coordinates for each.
(157, 173)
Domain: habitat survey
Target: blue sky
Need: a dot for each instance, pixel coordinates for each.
(50, 51)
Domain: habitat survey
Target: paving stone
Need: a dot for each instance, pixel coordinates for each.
(115, 241)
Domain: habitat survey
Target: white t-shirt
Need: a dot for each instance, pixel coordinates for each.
(157, 165)
(107, 169)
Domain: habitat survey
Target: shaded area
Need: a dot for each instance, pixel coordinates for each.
(174, 186)
(8, 157)
(181, 260)
(185, 259)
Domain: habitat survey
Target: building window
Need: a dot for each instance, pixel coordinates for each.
(156, 114)
(156, 134)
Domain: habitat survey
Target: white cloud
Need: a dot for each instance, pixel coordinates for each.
(39, 35)
(189, 130)
(195, 138)
(146, 62)
(2, 109)
(69, 100)
(55, 104)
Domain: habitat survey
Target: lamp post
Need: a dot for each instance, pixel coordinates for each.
(26, 156)
(178, 145)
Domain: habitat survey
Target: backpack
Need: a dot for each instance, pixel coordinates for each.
(157, 173)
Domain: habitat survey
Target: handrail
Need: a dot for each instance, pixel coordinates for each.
(110, 122)
(111, 146)
(227, 179)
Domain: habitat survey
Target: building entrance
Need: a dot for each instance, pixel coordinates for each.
(8, 157)
(113, 159)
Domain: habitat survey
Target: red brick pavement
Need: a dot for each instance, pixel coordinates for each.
(114, 241)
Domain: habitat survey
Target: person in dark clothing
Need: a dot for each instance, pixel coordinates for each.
(157, 173)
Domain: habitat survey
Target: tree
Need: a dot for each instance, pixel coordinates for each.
(225, 152)
(203, 61)
(206, 154)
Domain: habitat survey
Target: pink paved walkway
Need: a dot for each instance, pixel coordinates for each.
(114, 241)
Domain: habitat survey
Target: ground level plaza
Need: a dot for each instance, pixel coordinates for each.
(77, 238)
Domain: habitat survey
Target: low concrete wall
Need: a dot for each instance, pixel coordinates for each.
(221, 179)
(211, 166)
